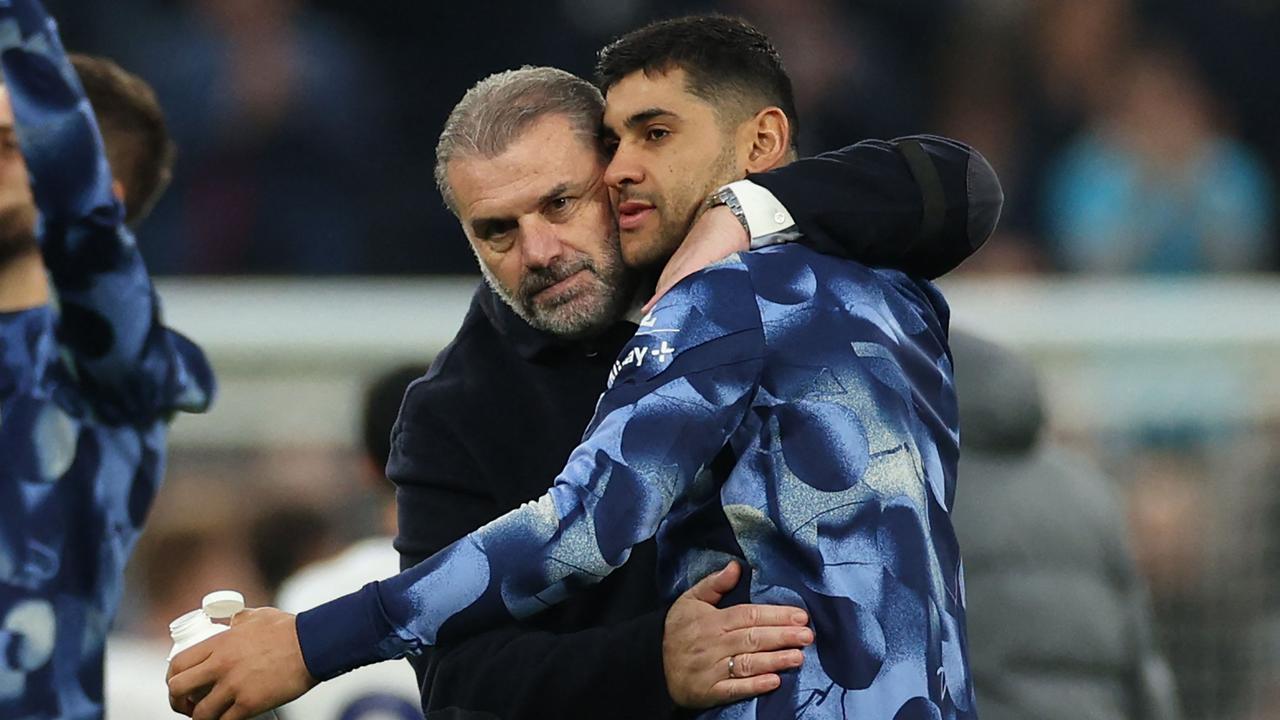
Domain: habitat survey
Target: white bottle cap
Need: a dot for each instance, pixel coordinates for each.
(222, 604)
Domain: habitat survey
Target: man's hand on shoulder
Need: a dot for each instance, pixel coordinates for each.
(714, 656)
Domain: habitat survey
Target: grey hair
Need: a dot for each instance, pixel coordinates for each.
(497, 109)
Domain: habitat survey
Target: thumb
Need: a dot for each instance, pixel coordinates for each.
(712, 588)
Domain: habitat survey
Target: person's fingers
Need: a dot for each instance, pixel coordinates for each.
(182, 704)
(745, 616)
(735, 689)
(213, 705)
(748, 665)
(189, 658)
(238, 712)
(766, 639)
(193, 680)
(712, 588)
(243, 615)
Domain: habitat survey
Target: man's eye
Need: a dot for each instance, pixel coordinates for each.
(560, 204)
(610, 147)
(656, 134)
(499, 242)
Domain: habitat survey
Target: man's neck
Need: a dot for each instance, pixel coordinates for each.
(644, 291)
(23, 284)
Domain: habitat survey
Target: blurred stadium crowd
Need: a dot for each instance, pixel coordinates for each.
(1132, 137)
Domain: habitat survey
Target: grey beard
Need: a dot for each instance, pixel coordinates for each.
(616, 286)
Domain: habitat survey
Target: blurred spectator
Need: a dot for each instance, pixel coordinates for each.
(1201, 511)
(1058, 620)
(1234, 41)
(387, 690)
(1155, 186)
(848, 84)
(1074, 49)
(979, 102)
(279, 127)
(1016, 80)
(295, 159)
(179, 559)
(286, 537)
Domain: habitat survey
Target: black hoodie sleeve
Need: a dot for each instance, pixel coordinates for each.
(921, 204)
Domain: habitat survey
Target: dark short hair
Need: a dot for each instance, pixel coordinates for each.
(134, 131)
(382, 400)
(726, 60)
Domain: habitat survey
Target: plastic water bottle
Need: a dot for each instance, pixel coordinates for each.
(197, 626)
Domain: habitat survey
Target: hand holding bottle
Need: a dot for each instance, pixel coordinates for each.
(237, 671)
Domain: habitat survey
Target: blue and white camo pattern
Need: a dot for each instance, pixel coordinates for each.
(86, 391)
(782, 407)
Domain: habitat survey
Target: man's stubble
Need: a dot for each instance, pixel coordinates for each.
(17, 232)
(605, 300)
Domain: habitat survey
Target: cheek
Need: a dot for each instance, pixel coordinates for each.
(508, 270)
(13, 179)
(591, 229)
(504, 267)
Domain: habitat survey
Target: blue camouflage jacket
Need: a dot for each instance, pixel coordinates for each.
(782, 407)
(86, 391)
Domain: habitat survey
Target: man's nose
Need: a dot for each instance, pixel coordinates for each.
(540, 244)
(624, 169)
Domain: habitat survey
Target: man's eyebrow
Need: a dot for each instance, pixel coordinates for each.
(645, 116)
(484, 227)
(553, 193)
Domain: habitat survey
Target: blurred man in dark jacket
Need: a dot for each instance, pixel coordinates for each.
(1058, 623)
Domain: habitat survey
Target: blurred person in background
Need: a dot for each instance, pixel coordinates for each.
(87, 388)
(1201, 516)
(1020, 79)
(199, 547)
(280, 122)
(477, 373)
(386, 691)
(287, 536)
(837, 59)
(1155, 184)
(1233, 42)
(1059, 618)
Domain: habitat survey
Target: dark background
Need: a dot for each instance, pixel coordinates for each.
(307, 129)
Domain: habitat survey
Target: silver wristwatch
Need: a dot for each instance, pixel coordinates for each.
(727, 197)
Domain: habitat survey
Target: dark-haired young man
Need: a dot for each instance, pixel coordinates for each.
(86, 388)
(840, 492)
(525, 195)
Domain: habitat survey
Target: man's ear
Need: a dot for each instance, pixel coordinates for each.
(769, 138)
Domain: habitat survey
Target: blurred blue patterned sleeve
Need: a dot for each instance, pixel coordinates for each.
(110, 318)
(679, 390)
